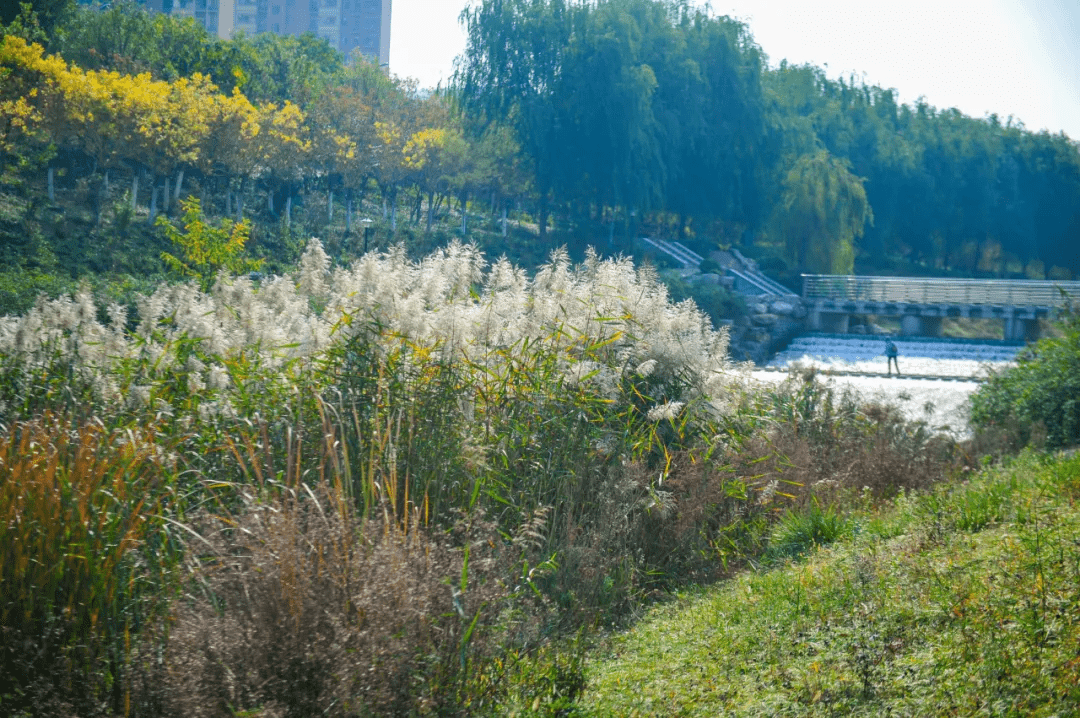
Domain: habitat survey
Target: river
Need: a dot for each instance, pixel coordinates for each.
(938, 374)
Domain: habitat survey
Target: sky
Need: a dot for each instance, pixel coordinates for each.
(1018, 58)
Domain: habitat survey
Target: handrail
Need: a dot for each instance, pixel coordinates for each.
(755, 281)
(935, 290)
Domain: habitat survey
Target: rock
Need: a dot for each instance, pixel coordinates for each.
(764, 320)
(783, 307)
(858, 329)
(727, 282)
(759, 308)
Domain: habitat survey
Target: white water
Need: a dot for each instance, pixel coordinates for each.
(941, 403)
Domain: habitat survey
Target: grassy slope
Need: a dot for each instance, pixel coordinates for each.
(962, 602)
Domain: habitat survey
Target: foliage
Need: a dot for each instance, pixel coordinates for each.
(1039, 398)
(207, 250)
(649, 114)
(824, 212)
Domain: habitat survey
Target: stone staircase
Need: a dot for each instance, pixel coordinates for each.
(776, 314)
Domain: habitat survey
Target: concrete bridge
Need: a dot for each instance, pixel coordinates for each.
(922, 303)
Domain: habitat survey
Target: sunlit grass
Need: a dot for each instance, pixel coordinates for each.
(968, 612)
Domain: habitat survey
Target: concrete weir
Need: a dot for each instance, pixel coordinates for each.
(922, 304)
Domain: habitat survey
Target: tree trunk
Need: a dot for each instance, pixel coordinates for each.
(464, 215)
(504, 219)
(393, 210)
(240, 200)
(166, 198)
(228, 202)
(543, 218)
(430, 209)
(329, 205)
(153, 202)
(270, 199)
(135, 190)
(348, 211)
(106, 185)
(179, 183)
(52, 192)
(99, 200)
(288, 206)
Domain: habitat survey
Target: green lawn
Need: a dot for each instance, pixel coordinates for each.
(965, 601)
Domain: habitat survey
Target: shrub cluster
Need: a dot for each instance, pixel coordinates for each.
(1038, 400)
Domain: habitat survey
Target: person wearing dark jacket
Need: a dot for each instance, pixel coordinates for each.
(891, 353)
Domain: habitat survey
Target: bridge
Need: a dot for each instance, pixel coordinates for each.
(922, 303)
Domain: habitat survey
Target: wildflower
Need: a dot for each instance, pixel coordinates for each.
(668, 411)
(646, 368)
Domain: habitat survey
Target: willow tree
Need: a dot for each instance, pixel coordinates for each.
(823, 212)
(512, 72)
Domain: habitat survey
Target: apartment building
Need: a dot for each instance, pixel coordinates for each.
(348, 25)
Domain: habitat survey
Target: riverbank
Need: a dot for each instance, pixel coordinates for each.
(961, 602)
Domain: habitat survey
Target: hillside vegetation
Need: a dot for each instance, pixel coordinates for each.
(960, 601)
(248, 471)
(636, 117)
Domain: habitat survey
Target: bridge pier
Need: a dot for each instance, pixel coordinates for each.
(1021, 329)
(915, 325)
(829, 322)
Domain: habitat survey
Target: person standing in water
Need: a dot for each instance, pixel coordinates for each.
(891, 353)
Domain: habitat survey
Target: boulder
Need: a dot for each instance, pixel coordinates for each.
(759, 308)
(764, 320)
(784, 307)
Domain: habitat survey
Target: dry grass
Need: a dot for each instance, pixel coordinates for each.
(299, 608)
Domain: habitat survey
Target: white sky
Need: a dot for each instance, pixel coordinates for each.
(1018, 57)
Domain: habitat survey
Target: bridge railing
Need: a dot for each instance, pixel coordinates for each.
(910, 290)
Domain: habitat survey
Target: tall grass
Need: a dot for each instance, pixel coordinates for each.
(411, 470)
(82, 560)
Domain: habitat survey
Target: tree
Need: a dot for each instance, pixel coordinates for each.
(286, 149)
(206, 250)
(435, 156)
(47, 14)
(824, 211)
(511, 74)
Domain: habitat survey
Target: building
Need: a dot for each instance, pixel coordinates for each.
(348, 25)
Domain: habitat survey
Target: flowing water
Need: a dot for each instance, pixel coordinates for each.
(938, 374)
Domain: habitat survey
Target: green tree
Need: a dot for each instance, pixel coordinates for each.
(511, 74)
(823, 212)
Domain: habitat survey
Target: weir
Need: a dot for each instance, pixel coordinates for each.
(922, 304)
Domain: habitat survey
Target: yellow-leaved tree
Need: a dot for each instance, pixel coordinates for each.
(206, 250)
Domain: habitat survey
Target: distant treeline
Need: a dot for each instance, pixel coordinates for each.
(626, 114)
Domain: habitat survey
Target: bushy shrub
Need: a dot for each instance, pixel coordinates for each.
(716, 301)
(821, 441)
(305, 609)
(1039, 398)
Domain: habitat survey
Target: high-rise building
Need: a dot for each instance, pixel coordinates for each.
(348, 25)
